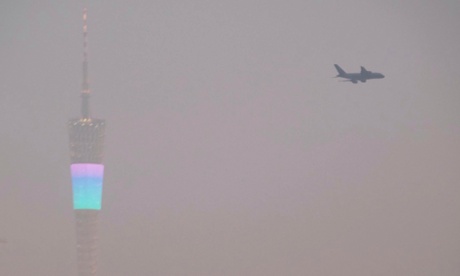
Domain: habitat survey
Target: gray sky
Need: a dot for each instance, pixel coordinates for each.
(230, 150)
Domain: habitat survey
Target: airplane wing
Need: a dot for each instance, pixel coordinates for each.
(350, 80)
(364, 71)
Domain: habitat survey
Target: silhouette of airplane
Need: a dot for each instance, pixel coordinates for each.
(363, 76)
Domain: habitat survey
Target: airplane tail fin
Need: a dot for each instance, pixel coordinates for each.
(340, 70)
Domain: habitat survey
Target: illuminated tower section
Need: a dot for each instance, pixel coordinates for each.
(87, 170)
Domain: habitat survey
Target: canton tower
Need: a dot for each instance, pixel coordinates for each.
(86, 150)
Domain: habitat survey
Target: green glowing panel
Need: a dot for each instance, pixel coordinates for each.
(87, 186)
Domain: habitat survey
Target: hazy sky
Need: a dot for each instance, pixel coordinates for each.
(230, 150)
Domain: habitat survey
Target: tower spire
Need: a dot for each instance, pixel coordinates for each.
(85, 92)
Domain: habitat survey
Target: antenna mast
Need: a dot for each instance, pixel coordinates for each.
(85, 93)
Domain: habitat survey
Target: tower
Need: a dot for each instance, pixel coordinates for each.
(86, 149)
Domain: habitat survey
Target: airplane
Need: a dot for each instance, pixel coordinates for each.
(363, 76)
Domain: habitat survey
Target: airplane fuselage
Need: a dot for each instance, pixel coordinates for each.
(355, 77)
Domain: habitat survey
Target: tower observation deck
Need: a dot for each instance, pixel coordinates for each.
(86, 150)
